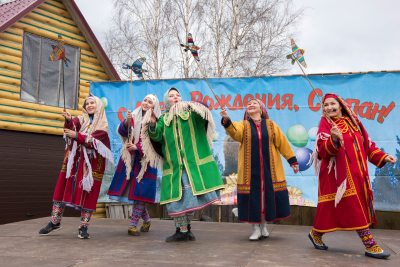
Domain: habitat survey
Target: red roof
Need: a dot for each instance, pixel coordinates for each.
(13, 11)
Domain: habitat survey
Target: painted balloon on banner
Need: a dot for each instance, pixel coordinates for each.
(215, 137)
(297, 135)
(303, 156)
(105, 102)
(312, 133)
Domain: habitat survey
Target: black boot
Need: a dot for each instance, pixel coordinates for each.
(190, 234)
(178, 236)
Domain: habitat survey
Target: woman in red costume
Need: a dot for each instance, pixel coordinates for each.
(87, 156)
(345, 199)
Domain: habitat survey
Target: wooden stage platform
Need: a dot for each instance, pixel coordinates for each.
(217, 244)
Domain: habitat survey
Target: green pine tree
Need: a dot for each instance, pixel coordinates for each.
(386, 185)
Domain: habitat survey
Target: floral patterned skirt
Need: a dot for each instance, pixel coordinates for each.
(189, 202)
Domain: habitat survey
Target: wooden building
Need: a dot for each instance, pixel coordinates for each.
(31, 143)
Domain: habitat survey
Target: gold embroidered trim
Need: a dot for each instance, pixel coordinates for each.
(373, 153)
(349, 192)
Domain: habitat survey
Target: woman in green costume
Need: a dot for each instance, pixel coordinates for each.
(191, 178)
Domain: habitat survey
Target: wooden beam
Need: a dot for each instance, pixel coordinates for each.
(11, 44)
(54, 22)
(7, 95)
(14, 118)
(84, 83)
(50, 35)
(54, 16)
(94, 73)
(88, 53)
(11, 81)
(9, 58)
(83, 95)
(92, 78)
(84, 89)
(41, 25)
(11, 52)
(15, 31)
(30, 113)
(90, 59)
(56, 3)
(34, 106)
(91, 66)
(11, 37)
(9, 88)
(10, 73)
(30, 128)
(10, 66)
(56, 10)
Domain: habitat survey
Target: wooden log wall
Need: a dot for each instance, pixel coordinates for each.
(48, 20)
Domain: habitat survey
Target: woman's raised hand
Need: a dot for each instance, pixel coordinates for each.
(129, 115)
(153, 118)
(66, 115)
(224, 114)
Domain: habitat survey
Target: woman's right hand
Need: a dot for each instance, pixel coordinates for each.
(129, 115)
(153, 118)
(335, 133)
(224, 114)
(66, 115)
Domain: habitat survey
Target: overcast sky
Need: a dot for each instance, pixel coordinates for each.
(338, 36)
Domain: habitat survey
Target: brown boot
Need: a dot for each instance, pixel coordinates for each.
(133, 231)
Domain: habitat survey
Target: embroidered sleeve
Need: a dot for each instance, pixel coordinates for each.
(73, 124)
(122, 130)
(237, 134)
(376, 156)
(282, 144)
(155, 132)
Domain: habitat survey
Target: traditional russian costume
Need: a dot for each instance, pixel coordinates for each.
(191, 178)
(86, 159)
(262, 193)
(345, 198)
(126, 185)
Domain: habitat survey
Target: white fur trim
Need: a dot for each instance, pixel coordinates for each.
(104, 151)
(340, 192)
(150, 155)
(71, 158)
(87, 181)
(125, 155)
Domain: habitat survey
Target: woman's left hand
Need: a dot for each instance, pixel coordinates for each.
(70, 133)
(390, 159)
(295, 168)
(131, 147)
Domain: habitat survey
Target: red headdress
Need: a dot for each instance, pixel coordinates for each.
(345, 109)
(263, 109)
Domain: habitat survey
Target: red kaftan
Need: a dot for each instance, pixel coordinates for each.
(70, 191)
(356, 208)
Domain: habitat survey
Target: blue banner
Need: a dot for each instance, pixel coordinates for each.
(293, 105)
